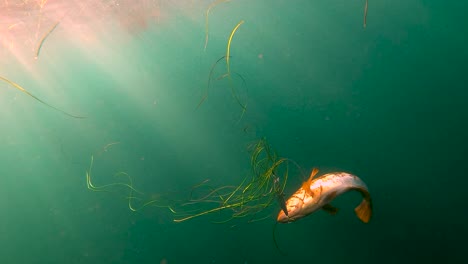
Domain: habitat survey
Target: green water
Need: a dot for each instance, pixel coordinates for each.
(386, 103)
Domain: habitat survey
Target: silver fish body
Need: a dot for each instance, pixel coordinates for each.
(317, 194)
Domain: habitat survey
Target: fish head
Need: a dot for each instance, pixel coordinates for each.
(294, 207)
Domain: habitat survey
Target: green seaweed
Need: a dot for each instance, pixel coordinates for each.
(20, 88)
(249, 198)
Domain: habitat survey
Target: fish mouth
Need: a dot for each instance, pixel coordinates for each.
(283, 218)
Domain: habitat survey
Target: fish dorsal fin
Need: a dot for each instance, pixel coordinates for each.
(306, 184)
(313, 173)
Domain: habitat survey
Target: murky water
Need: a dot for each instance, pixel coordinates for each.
(170, 98)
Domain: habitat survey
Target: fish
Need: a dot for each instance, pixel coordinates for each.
(318, 193)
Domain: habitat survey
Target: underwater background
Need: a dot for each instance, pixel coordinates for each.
(386, 102)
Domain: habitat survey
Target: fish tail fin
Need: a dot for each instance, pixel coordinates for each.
(364, 210)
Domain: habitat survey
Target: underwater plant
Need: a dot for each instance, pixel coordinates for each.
(126, 187)
(207, 13)
(248, 199)
(228, 67)
(18, 87)
(233, 89)
(365, 13)
(41, 42)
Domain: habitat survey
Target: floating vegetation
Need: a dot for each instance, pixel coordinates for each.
(38, 50)
(18, 87)
(228, 49)
(227, 74)
(126, 187)
(228, 53)
(233, 87)
(207, 13)
(247, 200)
(210, 77)
(365, 13)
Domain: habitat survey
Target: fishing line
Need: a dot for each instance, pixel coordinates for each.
(274, 240)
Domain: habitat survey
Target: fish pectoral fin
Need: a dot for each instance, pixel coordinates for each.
(330, 209)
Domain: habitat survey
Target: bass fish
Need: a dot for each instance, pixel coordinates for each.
(316, 194)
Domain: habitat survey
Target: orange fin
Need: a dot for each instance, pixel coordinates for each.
(330, 209)
(306, 187)
(306, 184)
(364, 210)
(313, 173)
